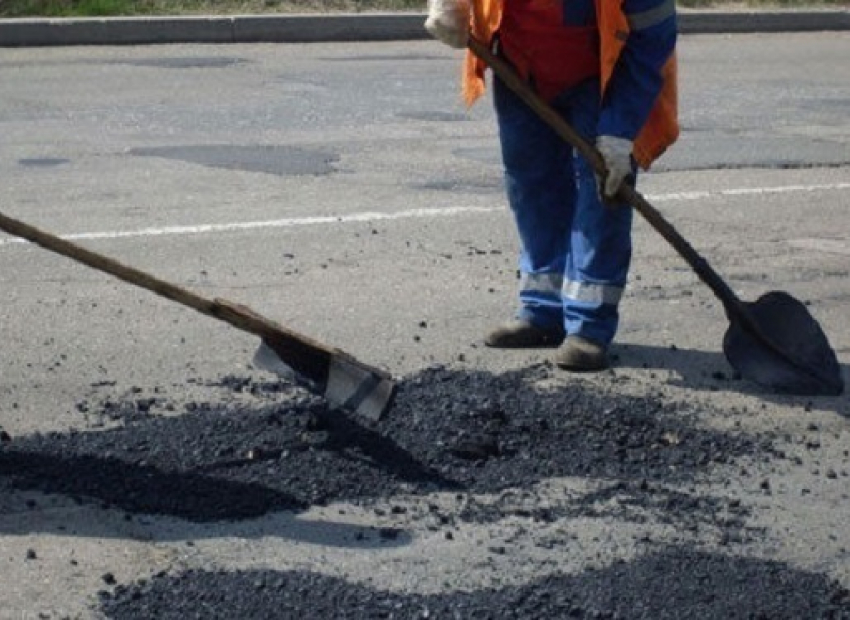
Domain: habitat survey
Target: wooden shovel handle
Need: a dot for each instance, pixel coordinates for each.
(627, 194)
(306, 356)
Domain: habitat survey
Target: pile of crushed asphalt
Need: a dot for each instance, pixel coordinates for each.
(468, 432)
(671, 584)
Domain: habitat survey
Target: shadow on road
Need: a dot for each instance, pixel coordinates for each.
(708, 371)
(667, 584)
(451, 431)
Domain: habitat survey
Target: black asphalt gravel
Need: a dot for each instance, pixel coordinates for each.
(469, 432)
(671, 583)
(450, 430)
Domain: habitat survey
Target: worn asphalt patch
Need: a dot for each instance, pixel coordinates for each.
(470, 432)
(671, 583)
(280, 160)
(492, 440)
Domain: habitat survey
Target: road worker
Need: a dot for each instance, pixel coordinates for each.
(608, 68)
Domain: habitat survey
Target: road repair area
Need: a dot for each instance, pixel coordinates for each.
(148, 469)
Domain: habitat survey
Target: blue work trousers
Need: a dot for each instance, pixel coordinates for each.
(574, 251)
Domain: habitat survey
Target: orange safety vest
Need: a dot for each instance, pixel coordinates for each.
(661, 128)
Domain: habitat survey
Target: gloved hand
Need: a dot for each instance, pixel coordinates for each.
(448, 21)
(616, 153)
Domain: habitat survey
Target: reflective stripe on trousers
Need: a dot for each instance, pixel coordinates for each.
(574, 252)
(553, 285)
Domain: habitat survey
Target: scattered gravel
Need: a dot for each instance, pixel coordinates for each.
(489, 439)
(672, 583)
(464, 431)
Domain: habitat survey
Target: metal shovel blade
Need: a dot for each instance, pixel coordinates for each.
(774, 341)
(345, 383)
(791, 355)
(353, 387)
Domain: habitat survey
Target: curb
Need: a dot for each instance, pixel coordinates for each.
(212, 29)
(344, 27)
(718, 22)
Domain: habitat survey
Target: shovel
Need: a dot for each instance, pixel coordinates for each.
(773, 341)
(333, 374)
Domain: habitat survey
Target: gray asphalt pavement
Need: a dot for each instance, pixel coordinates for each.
(342, 189)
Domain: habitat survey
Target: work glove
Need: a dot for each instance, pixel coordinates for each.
(617, 155)
(448, 21)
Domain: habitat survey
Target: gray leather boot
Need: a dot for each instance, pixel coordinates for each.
(581, 355)
(521, 334)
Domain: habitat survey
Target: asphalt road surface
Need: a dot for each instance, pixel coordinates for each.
(147, 469)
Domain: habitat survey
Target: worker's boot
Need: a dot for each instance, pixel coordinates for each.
(581, 355)
(522, 334)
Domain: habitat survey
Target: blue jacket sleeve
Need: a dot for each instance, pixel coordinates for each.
(636, 80)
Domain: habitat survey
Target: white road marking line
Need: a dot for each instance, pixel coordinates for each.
(369, 216)
(830, 246)
(748, 191)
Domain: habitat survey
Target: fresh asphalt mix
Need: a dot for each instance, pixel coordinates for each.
(477, 435)
(489, 492)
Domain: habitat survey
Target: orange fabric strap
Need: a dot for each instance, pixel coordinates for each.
(486, 17)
